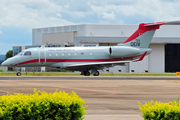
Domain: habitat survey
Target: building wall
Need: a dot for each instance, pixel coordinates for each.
(79, 41)
(37, 33)
(16, 50)
(58, 38)
(139, 67)
(157, 58)
(5, 69)
(109, 30)
(120, 69)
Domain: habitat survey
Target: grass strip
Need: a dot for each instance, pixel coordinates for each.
(78, 74)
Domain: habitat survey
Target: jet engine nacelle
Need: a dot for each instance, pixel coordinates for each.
(123, 51)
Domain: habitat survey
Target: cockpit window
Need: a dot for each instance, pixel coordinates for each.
(21, 53)
(27, 53)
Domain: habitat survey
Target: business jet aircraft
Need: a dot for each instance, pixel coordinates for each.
(88, 60)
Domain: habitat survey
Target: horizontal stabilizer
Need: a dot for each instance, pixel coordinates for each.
(163, 23)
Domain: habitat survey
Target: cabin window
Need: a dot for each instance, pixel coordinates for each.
(56, 54)
(50, 54)
(27, 53)
(75, 53)
(90, 53)
(63, 54)
(69, 54)
(82, 53)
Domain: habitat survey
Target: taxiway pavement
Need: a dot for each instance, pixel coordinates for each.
(108, 98)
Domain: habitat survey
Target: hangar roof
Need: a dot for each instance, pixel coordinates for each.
(156, 40)
(106, 30)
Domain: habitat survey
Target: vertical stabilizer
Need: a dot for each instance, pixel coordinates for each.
(142, 37)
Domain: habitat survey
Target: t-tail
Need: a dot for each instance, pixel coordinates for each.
(142, 37)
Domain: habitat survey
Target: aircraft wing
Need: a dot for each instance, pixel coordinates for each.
(97, 63)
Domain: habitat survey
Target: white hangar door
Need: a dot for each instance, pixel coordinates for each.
(157, 58)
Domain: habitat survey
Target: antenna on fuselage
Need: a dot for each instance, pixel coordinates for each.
(44, 45)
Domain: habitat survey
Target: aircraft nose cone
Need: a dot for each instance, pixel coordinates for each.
(7, 63)
(4, 63)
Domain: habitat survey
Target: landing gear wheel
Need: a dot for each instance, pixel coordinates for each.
(96, 73)
(87, 73)
(18, 74)
(82, 73)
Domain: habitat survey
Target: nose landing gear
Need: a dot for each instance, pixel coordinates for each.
(18, 73)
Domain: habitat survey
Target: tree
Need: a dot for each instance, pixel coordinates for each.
(9, 54)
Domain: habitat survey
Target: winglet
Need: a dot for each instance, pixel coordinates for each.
(141, 58)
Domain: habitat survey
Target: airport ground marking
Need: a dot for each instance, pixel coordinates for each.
(172, 81)
(100, 91)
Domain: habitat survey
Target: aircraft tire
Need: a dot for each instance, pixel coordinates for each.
(96, 74)
(82, 73)
(87, 73)
(18, 74)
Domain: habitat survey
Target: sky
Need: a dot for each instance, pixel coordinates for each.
(19, 17)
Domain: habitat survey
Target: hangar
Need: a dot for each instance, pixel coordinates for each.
(165, 45)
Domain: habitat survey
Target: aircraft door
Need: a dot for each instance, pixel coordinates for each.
(42, 56)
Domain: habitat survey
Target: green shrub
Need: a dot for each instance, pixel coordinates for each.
(42, 106)
(160, 111)
(1, 70)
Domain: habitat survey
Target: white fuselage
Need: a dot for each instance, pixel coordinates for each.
(60, 57)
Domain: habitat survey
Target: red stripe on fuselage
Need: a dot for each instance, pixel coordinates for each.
(26, 62)
(78, 60)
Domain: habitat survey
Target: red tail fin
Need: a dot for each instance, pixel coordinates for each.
(144, 27)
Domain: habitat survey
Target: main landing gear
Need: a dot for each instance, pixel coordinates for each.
(96, 73)
(18, 73)
(87, 73)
